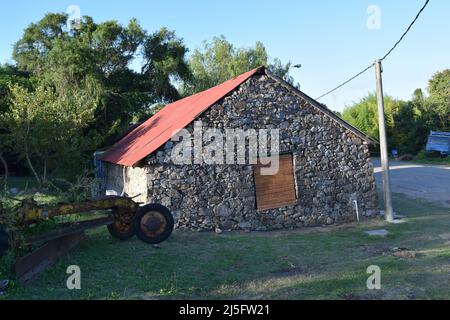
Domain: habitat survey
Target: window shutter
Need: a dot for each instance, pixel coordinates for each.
(275, 191)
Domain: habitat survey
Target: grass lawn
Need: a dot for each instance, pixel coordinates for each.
(434, 161)
(316, 263)
(20, 183)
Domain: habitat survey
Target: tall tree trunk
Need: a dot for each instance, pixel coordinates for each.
(30, 165)
(27, 155)
(44, 177)
(5, 166)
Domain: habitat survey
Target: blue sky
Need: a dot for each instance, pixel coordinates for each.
(329, 38)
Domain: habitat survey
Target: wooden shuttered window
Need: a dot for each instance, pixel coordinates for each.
(276, 191)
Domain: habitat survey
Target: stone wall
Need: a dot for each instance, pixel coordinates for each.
(135, 180)
(332, 167)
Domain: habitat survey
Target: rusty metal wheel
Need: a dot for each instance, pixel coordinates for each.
(153, 223)
(4, 243)
(120, 230)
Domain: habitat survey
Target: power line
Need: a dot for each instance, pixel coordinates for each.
(384, 57)
(344, 83)
(407, 30)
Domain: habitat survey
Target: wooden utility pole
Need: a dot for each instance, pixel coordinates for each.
(388, 211)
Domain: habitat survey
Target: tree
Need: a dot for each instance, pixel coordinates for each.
(408, 123)
(9, 75)
(401, 121)
(282, 71)
(439, 86)
(63, 58)
(363, 115)
(219, 61)
(439, 100)
(5, 170)
(45, 128)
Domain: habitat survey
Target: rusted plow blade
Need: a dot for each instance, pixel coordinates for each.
(152, 223)
(74, 228)
(33, 264)
(56, 244)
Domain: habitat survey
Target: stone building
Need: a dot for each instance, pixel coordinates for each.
(324, 163)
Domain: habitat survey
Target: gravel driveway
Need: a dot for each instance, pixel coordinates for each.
(430, 182)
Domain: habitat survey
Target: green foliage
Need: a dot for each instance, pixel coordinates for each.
(164, 65)
(74, 90)
(408, 123)
(220, 61)
(8, 221)
(46, 129)
(19, 234)
(9, 75)
(439, 86)
(439, 100)
(6, 265)
(77, 191)
(434, 158)
(63, 59)
(282, 71)
(363, 114)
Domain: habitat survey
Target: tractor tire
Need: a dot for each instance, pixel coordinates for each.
(119, 232)
(4, 243)
(153, 223)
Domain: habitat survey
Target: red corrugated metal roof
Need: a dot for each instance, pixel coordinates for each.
(160, 128)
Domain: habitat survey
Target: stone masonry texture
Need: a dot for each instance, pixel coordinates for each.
(332, 168)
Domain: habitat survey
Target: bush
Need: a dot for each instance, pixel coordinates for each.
(424, 155)
(406, 157)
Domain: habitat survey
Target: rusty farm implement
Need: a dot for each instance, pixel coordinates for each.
(124, 218)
